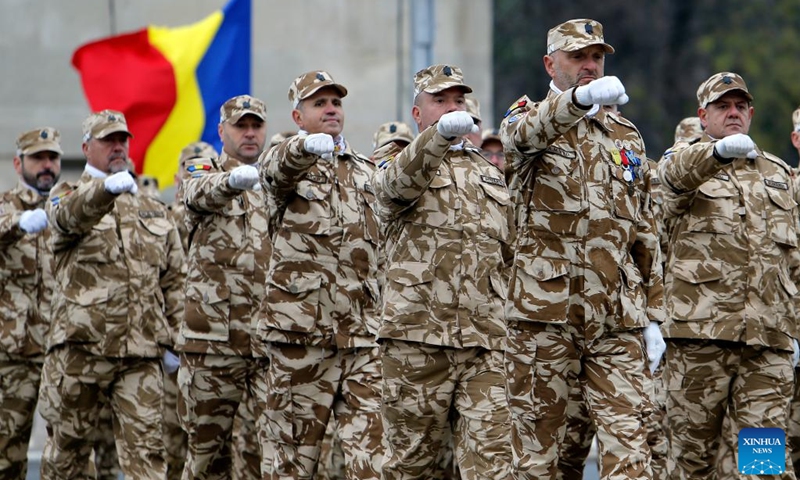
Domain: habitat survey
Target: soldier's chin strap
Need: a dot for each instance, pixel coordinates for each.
(592, 111)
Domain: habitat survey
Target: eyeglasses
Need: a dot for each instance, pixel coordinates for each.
(490, 154)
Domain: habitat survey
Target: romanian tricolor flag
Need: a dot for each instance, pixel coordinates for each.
(170, 82)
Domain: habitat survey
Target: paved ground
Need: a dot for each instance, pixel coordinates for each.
(37, 442)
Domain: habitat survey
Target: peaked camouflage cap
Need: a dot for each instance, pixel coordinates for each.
(197, 150)
(392, 132)
(104, 123)
(688, 129)
(310, 83)
(437, 78)
(44, 139)
(237, 107)
(279, 137)
(575, 34)
(474, 107)
(718, 85)
(490, 134)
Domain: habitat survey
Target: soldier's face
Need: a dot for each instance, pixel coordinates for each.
(493, 151)
(429, 107)
(321, 113)
(245, 139)
(108, 154)
(572, 69)
(40, 170)
(729, 114)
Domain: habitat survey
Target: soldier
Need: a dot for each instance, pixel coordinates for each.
(322, 290)
(397, 132)
(585, 292)
(688, 130)
(731, 322)
(26, 286)
(229, 250)
(279, 137)
(177, 208)
(449, 231)
(793, 430)
(119, 275)
(492, 147)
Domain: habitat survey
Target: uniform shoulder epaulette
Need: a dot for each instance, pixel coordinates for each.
(776, 159)
(197, 167)
(385, 154)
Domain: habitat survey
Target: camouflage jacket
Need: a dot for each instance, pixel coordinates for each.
(177, 212)
(119, 271)
(586, 233)
(229, 250)
(322, 286)
(449, 223)
(26, 276)
(733, 235)
(656, 202)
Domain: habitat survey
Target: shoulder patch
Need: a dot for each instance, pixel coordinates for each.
(521, 104)
(55, 199)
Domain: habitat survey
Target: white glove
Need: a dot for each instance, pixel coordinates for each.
(33, 221)
(603, 91)
(655, 344)
(171, 362)
(795, 353)
(319, 144)
(120, 182)
(456, 124)
(737, 145)
(243, 177)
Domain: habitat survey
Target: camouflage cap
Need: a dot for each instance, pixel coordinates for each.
(718, 85)
(436, 78)
(197, 150)
(576, 34)
(309, 83)
(237, 107)
(280, 137)
(796, 120)
(473, 107)
(490, 134)
(44, 139)
(392, 132)
(688, 129)
(104, 123)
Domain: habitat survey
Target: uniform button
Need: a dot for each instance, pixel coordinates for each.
(556, 170)
(205, 298)
(293, 288)
(310, 195)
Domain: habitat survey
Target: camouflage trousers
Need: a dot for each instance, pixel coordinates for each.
(212, 387)
(74, 386)
(706, 379)
(304, 386)
(726, 454)
(331, 457)
(106, 462)
(174, 436)
(429, 391)
(544, 363)
(247, 447)
(19, 391)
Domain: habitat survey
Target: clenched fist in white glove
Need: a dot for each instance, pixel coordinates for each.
(319, 144)
(655, 344)
(795, 353)
(120, 182)
(243, 177)
(603, 91)
(737, 145)
(33, 221)
(456, 124)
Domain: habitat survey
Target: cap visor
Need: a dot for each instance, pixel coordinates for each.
(113, 129)
(43, 147)
(444, 86)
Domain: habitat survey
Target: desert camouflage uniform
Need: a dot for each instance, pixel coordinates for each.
(119, 275)
(731, 317)
(449, 229)
(229, 249)
(587, 278)
(319, 315)
(793, 429)
(26, 286)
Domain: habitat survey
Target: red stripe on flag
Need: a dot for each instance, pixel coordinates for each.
(128, 74)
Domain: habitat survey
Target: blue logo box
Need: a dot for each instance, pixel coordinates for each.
(762, 451)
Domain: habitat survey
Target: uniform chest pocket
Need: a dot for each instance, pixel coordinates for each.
(494, 217)
(714, 209)
(625, 195)
(153, 240)
(782, 216)
(101, 244)
(310, 209)
(436, 206)
(557, 186)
